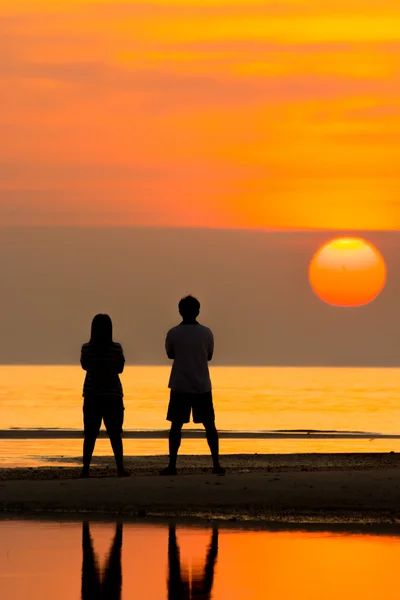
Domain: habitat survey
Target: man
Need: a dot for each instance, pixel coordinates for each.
(199, 585)
(191, 346)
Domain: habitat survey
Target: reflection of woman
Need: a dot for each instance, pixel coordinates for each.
(103, 360)
(179, 585)
(95, 587)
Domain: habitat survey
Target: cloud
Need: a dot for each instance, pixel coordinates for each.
(199, 89)
(223, 8)
(70, 173)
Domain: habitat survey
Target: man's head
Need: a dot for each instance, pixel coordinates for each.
(189, 308)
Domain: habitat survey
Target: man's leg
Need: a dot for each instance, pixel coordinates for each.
(202, 586)
(175, 437)
(179, 410)
(178, 585)
(203, 412)
(213, 443)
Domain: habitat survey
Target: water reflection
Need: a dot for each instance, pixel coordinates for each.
(97, 585)
(180, 585)
(107, 585)
(156, 561)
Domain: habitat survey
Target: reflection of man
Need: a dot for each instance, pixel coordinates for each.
(179, 586)
(95, 587)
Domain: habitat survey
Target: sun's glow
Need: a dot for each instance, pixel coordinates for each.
(347, 272)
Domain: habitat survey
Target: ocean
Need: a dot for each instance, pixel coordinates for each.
(258, 410)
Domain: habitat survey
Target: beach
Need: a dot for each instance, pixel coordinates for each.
(337, 488)
(299, 445)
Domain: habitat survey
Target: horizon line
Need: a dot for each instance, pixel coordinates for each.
(203, 228)
(216, 366)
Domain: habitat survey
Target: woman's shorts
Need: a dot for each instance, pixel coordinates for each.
(107, 408)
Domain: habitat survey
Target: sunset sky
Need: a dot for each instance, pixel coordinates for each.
(218, 113)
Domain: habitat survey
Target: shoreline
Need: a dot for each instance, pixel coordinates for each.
(151, 434)
(358, 524)
(306, 488)
(68, 467)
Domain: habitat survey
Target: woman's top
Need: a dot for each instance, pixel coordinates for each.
(103, 363)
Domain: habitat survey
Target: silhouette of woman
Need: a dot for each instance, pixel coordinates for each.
(103, 360)
(95, 585)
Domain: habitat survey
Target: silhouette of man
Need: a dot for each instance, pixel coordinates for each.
(95, 587)
(191, 346)
(200, 587)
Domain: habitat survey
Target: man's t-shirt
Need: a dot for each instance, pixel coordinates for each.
(192, 347)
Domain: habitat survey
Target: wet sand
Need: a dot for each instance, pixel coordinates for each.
(341, 488)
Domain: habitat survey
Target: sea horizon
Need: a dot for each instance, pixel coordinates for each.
(258, 410)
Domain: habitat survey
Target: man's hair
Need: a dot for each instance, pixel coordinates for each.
(189, 306)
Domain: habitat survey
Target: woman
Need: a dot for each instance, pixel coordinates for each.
(103, 360)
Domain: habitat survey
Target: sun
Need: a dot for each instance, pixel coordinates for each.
(347, 272)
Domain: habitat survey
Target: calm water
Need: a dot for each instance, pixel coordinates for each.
(73, 560)
(246, 400)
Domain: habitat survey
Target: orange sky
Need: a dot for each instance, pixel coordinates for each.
(221, 113)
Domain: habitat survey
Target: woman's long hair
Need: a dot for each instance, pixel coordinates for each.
(102, 330)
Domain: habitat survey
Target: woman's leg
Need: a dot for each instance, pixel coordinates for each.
(113, 421)
(116, 444)
(92, 423)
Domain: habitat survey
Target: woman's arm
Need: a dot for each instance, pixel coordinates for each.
(121, 361)
(84, 361)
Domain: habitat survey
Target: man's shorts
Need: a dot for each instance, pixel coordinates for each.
(182, 404)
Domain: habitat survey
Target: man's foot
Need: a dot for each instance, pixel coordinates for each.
(169, 471)
(123, 473)
(218, 470)
(84, 473)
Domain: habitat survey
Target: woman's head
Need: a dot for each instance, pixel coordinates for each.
(102, 330)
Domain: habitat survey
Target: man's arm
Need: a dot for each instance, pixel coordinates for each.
(169, 347)
(210, 347)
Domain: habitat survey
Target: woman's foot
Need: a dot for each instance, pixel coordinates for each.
(169, 471)
(84, 473)
(218, 470)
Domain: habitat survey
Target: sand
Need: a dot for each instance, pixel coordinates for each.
(341, 488)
